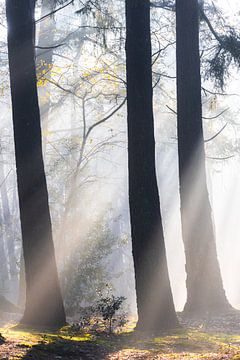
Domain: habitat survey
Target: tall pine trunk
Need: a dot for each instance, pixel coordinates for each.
(154, 297)
(44, 305)
(205, 293)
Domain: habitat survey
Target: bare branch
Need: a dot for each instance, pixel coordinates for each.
(105, 118)
(218, 133)
(218, 93)
(204, 117)
(216, 116)
(48, 47)
(54, 11)
(220, 158)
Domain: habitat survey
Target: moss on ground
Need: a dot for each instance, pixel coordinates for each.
(185, 344)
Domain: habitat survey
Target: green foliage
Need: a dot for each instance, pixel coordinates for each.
(85, 322)
(87, 270)
(107, 307)
(227, 52)
(187, 344)
(104, 19)
(106, 314)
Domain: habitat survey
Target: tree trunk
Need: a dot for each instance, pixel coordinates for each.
(44, 65)
(4, 273)
(205, 293)
(154, 297)
(22, 284)
(44, 306)
(9, 230)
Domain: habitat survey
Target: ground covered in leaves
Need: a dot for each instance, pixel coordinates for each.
(216, 339)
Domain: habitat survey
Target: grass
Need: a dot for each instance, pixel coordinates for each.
(184, 344)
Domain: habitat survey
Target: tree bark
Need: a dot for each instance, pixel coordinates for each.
(205, 293)
(44, 305)
(154, 297)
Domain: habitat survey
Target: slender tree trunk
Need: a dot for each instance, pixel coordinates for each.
(20, 288)
(44, 64)
(205, 293)
(44, 306)
(22, 284)
(154, 297)
(9, 228)
(4, 273)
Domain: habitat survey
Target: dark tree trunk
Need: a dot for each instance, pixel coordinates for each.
(205, 293)
(154, 297)
(44, 306)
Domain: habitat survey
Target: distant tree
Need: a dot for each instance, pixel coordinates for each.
(154, 297)
(44, 305)
(8, 226)
(4, 274)
(87, 270)
(205, 293)
(44, 58)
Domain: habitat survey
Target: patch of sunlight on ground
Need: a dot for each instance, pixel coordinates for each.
(16, 332)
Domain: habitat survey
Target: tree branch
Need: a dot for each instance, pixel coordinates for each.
(218, 133)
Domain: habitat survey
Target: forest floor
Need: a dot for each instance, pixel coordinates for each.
(218, 339)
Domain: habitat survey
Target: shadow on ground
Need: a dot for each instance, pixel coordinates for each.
(66, 349)
(200, 342)
(181, 345)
